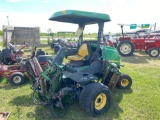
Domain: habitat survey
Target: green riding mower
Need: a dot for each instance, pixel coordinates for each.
(92, 72)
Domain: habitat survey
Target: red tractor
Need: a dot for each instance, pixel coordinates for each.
(15, 73)
(10, 55)
(128, 44)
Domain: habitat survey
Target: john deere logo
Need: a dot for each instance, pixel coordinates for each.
(63, 12)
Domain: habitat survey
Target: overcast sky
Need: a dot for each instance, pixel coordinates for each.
(31, 13)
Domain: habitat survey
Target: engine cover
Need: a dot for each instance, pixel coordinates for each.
(44, 58)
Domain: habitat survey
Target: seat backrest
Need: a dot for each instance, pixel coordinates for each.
(83, 50)
(95, 67)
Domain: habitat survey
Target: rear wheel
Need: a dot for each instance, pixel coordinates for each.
(154, 52)
(16, 78)
(124, 82)
(125, 48)
(95, 98)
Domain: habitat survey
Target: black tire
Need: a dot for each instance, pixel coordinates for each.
(146, 51)
(16, 78)
(153, 52)
(56, 49)
(115, 45)
(95, 98)
(125, 48)
(124, 82)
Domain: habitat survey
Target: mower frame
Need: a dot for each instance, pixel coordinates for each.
(56, 81)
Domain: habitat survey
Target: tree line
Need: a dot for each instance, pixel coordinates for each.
(67, 34)
(63, 35)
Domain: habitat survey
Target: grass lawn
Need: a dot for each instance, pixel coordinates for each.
(141, 102)
(44, 41)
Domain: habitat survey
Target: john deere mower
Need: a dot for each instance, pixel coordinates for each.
(90, 74)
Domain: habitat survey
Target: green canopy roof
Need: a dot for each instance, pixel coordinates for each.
(75, 16)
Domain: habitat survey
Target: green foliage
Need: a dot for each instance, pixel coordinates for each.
(90, 35)
(118, 34)
(44, 41)
(68, 35)
(1, 32)
(1, 44)
(43, 34)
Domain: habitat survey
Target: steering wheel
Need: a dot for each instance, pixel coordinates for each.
(11, 47)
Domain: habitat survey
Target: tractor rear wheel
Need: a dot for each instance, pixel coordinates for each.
(153, 52)
(16, 78)
(124, 82)
(125, 48)
(95, 98)
(147, 51)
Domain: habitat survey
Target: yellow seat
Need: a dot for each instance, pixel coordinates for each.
(82, 52)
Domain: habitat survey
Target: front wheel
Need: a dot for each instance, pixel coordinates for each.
(95, 98)
(153, 52)
(124, 82)
(125, 48)
(16, 78)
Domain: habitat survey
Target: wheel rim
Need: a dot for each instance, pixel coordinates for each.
(124, 82)
(100, 101)
(17, 79)
(154, 52)
(125, 48)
